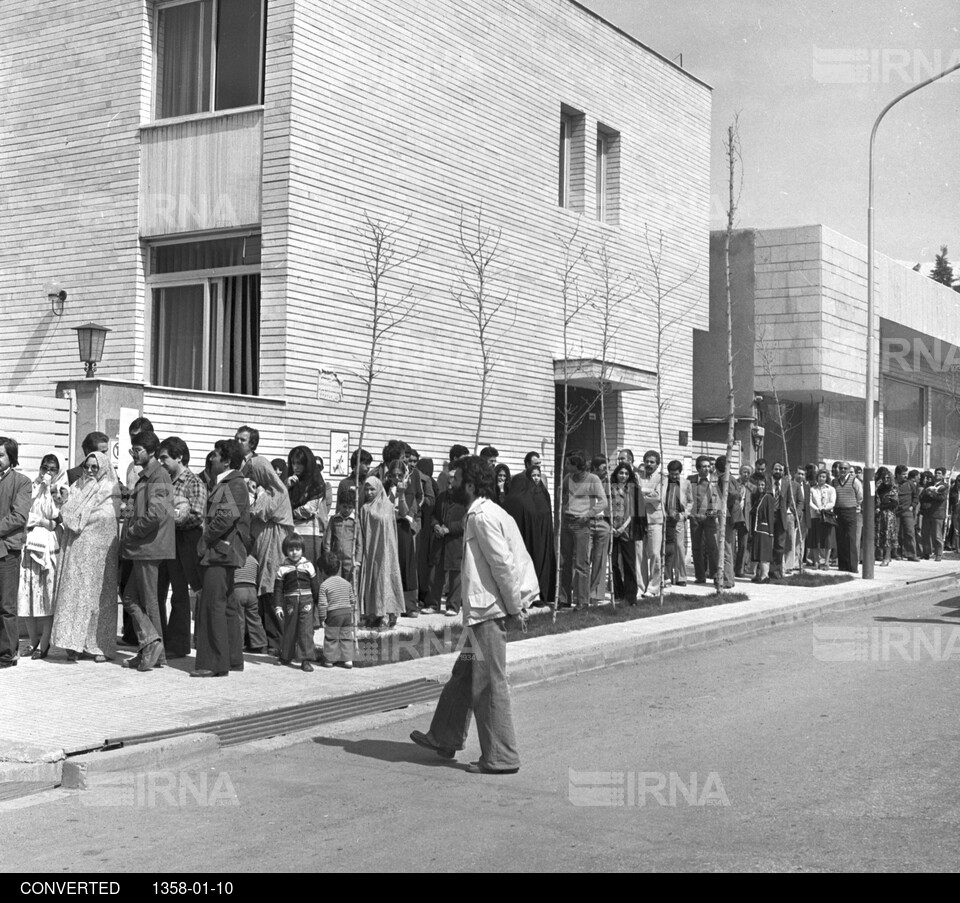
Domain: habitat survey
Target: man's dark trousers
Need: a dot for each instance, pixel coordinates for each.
(706, 551)
(219, 628)
(847, 553)
(183, 574)
(9, 587)
(908, 534)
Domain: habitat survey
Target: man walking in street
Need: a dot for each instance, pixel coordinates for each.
(15, 500)
(498, 580)
(148, 539)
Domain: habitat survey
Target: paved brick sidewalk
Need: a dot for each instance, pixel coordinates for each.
(52, 705)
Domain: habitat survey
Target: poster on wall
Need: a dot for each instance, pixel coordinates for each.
(339, 454)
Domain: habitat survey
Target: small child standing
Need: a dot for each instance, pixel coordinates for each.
(248, 603)
(336, 603)
(294, 598)
(341, 531)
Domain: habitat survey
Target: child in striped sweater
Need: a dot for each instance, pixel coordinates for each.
(336, 602)
(295, 594)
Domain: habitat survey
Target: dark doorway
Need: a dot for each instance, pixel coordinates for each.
(584, 417)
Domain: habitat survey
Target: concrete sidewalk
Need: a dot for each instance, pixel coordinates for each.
(51, 708)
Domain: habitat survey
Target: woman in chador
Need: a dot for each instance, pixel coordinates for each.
(381, 589)
(529, 505)
(85, 606)
(761, 529)
(38, 565)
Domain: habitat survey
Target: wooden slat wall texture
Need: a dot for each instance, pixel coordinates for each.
(420, 112)
(40, 425)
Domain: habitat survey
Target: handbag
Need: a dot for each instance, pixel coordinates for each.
(828, 517)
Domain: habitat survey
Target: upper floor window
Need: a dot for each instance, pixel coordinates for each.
(209, 55)
(572, 169)
(608, 175)
(205, 322)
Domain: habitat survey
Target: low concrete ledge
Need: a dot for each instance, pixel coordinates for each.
(604, 646)
(81, 772)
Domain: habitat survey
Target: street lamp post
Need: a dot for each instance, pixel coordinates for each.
(869, 473)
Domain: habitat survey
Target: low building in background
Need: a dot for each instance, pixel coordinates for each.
(800, 326)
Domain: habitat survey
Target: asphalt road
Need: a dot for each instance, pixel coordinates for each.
(828, 746)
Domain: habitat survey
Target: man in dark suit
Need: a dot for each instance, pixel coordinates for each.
(15, 499)
(223, 548)
(785, 512)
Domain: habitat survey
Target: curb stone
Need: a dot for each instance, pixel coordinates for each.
(83, 772)
(600, 653)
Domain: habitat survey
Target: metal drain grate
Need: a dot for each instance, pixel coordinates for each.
(298, 717)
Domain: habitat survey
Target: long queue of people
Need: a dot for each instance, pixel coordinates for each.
(248, 548)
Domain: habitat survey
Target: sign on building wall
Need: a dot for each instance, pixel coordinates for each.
(339, 454)
(329, 386)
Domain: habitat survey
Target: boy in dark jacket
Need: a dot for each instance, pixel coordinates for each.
(294, 600)
(223, 548)
(148, 538)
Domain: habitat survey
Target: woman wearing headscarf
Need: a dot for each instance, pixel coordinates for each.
(381, 589)
(308, 500)
(761, 529)
(271, 521)
(38, 566)
(529, 505)
(501, 475)
(85, 606)
(887, 526)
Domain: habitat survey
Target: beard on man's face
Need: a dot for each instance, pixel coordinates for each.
(459, 494)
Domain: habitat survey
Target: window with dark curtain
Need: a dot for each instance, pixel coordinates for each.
(945, 430)
(178, 336)
(240, 337)
(184, 39)
(239, 51)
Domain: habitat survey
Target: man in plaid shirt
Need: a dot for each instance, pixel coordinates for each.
(182, 572)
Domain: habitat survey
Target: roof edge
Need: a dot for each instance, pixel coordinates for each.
(639, 43)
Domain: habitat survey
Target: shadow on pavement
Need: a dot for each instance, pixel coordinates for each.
(388, 751)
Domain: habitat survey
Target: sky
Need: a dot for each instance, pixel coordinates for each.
(808, 78)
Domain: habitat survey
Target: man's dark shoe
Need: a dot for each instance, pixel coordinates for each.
(205, 673)
(700, 581)
(422, 739)
(131, 662)
(681, 583)
(151, 656)
(479, 768)
(8, 664)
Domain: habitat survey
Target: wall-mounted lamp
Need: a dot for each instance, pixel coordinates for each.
(91, 337)
(56, 302)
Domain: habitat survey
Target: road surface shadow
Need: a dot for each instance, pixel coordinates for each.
(388, 751)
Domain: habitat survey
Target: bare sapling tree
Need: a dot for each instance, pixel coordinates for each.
(668, 314)
(783, 414)
(491, 310)
(614, 292)
(387, 303)
(732, 152)
(571, 416)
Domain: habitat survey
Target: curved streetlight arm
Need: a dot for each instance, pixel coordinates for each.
(869, 398)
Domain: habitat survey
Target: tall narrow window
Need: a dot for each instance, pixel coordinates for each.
(209, 56)
(608, 175)
(572, 170)
(603, 159)
(566, 132)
